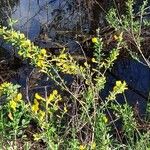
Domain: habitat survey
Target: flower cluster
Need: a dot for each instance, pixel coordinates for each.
(35, 106)
(13, 103)
(25, 47)
(49, 104)
(38, 56)
(40, 114)
(11, 92)
(66, 64)
(119, 88)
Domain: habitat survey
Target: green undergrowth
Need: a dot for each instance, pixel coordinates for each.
(72, 117)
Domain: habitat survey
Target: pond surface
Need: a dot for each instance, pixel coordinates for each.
(62, 15)
(62, 21)
(31, 14)
(137, 77)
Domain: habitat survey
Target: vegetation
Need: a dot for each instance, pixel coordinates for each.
(73, 117)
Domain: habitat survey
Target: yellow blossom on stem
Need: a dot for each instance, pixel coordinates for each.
(22, 36)
(28, 55)
(95, 40)
(36, 136)
(82, 147)
(41, 115)
(120, 87)
(93, 145)
(55, 92)
(38, 97)
(19, 97)
(53, 96)
(43, 51)
(65, 109)
(35, 106)
(93, 60)
(105, 119)
(41, 63)
(85, 64)
(13, 105)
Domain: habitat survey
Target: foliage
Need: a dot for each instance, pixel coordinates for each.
(14, 113)
(131, 25)
(74, 117)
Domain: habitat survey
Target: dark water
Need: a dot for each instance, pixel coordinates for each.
(62, 21)
(56, 15)
(31, 14)
(137, 77)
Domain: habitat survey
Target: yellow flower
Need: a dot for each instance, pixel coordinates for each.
(105, 119)
(65, 109)
(63, 56)
(93, 60)
(121, 36)
(38, 97)
(51, 97)
(41, 115)
(93, 145)
(120, 87)
(35, 106)
(73, 68)
(27, 42)
(55, 92)
(43, 52)
(15, 35)
(95, 40)
(19, 97)
(22, 35)
(82, 147)
(115, 37)
(20, 53)
(40, 63)
(13, 105)
(36, 136)
(5, 85)
(118, 83)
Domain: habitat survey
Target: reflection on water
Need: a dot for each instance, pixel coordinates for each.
(30, 15)
(57, 14)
